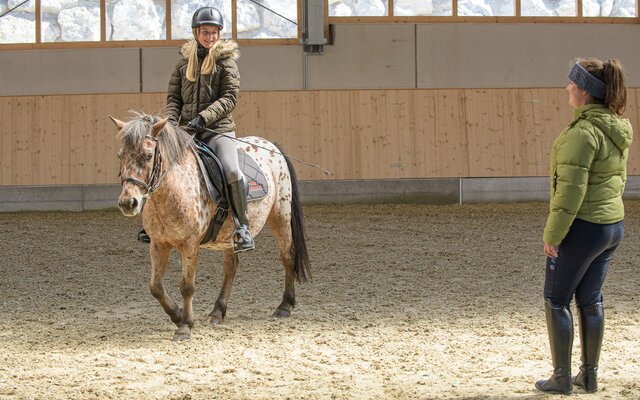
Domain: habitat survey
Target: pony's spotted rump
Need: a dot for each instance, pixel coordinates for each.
(161, 180)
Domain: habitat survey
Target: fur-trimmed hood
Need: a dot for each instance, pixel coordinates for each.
(224, 49)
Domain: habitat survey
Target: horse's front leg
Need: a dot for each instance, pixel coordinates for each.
(187, 288)
(159, 262)
(220, 309)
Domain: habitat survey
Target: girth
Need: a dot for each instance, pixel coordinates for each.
(216, 183)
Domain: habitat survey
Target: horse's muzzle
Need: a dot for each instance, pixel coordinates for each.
(130, 206)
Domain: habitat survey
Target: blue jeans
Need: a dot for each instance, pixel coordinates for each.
(582, 263)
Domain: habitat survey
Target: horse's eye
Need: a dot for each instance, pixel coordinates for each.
(149, 156)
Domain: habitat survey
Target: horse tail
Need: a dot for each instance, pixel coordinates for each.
(299, 253)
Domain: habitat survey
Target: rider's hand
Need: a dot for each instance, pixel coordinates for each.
(197, 123)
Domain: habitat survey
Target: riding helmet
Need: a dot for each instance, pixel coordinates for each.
(207, 16)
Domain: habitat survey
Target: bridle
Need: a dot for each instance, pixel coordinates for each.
(155, 179)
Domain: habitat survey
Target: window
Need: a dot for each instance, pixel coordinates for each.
(18, 26)
(422, 8)
(136, 20)
(102, 21)
(78, 22)
(359, 8)
(479, 8)
(267, 19)
(182, 11)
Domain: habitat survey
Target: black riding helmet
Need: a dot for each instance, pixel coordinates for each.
(207, 16)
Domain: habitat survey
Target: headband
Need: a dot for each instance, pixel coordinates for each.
(587, 82)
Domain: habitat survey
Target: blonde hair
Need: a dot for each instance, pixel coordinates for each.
(208, 65)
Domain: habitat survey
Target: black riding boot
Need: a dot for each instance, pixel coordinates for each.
(560, 329)
(242, 240)
(143, 237)
(591, 323)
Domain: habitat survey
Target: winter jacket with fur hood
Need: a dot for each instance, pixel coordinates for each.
(588, 171)
(213, 96)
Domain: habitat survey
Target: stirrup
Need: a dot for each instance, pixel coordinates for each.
(242, 240)
(143, 237)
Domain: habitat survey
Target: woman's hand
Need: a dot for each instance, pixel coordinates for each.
(197, 123)
(550, 250)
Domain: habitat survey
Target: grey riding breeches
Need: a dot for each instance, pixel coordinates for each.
(227, 152)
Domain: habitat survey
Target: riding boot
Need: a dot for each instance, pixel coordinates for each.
(591, 324)
(242, 240)
(560, 329)
(143, 237)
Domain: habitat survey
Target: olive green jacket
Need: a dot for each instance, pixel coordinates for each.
(213, 96)
(588, 171)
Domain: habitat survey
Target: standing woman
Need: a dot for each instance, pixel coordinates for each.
(203, 92)
(585, 223)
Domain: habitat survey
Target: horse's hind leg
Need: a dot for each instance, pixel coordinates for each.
(159, 263)
(230, 264)
(281, 229)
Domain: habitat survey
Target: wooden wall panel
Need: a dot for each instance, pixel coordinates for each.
(18, 120)
(450, 146)
(50, 162)
(633, 113)
(355, 134)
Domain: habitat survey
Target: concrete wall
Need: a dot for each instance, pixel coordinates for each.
(518, 55)
(363, 56)
(412, 191)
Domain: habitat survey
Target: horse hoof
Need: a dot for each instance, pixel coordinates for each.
(214, 319)
(183, 333)
(280, 313)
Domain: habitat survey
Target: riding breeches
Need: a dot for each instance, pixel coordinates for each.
(582, 263)
(225, 149)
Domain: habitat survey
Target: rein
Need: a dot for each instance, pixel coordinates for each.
(155, 179)
(271, 151)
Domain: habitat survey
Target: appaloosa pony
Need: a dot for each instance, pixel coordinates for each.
(161, 180)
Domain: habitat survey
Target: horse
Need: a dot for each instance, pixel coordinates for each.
(161, 180)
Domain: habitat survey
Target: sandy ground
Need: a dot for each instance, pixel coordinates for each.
(407, 302)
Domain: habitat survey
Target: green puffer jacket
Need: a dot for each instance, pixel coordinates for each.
(588, 171)
(217, 94)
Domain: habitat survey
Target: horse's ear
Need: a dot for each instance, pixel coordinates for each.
(157, 127)
(118, 123)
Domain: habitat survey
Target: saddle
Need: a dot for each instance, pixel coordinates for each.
(213, 175)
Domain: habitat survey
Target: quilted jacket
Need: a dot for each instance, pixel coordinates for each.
(213, 96)
(588, 171)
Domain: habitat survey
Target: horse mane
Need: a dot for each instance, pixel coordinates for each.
(173, 141)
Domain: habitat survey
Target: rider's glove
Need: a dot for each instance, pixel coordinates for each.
(197, 123)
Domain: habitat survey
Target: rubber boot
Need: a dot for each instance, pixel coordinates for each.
(591, 324)
(242, 240)
(143, 237)
(560, 329)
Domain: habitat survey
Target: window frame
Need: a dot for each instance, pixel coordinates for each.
(104, 43)
(517, 18)
(329, 20)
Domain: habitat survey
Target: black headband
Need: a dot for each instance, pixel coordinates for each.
(587, 82)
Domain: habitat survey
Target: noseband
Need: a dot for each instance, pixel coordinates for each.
(155, 179)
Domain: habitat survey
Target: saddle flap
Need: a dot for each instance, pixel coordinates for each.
(258, 187)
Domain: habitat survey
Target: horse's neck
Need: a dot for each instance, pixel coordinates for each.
(181, 179)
